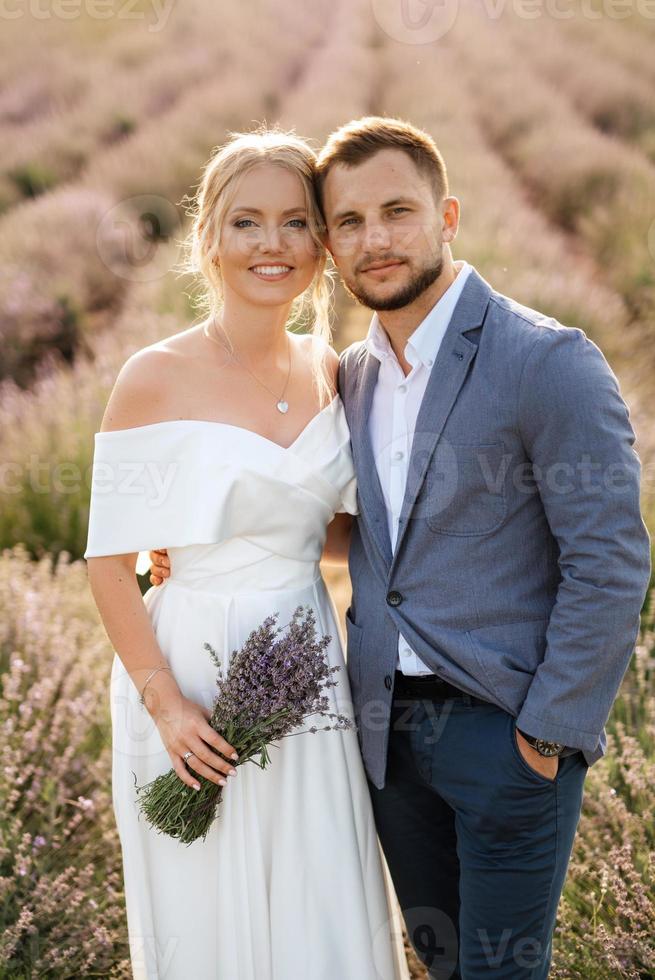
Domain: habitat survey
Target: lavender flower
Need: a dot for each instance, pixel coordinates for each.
(273, 684)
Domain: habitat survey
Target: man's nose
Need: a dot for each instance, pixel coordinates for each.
(376, 237)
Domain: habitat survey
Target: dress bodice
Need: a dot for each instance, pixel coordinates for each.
(189, 482)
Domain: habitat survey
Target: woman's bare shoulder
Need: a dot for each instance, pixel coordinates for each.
(141, 392)
(331, 358)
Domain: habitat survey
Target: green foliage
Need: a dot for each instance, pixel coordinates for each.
(33, 179)
(121, 125)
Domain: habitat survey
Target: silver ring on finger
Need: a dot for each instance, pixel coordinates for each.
(187, 754)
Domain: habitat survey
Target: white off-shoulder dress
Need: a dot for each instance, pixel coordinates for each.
(289, 883)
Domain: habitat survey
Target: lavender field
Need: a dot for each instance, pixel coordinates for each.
(545, 114)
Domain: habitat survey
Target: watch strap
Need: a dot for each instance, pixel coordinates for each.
(556, 748)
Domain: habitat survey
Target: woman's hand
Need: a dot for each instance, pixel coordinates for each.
(160, 566)
(184, 726)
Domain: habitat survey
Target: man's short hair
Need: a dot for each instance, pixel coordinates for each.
(361, 139)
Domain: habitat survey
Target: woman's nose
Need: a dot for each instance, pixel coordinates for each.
(273, 240)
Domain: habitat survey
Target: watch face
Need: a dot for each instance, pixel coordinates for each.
(548, 748)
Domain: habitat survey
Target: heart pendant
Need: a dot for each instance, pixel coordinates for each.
(283, 407)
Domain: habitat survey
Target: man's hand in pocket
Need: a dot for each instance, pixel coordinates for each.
(545, 765)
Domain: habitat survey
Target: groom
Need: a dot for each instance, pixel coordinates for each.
(499, 563)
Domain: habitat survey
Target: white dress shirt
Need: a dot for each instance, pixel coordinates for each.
(395, 407)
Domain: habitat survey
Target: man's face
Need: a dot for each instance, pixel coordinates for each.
(386, 229)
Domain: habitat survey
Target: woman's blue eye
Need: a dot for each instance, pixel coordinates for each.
(244, 222)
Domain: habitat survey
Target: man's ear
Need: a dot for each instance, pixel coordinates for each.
(450, 218)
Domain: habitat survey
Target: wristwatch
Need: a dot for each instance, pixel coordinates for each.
(543, 747)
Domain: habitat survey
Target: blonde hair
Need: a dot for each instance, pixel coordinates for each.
(216, 190)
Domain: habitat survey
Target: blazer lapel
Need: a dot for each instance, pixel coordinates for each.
(373, 507)
(446, 379)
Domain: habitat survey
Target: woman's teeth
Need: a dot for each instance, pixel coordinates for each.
(271, 270)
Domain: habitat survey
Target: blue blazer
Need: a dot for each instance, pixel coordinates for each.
(522, 558)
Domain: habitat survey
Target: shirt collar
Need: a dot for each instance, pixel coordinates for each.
(423, 345)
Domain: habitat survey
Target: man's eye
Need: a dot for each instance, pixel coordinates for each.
(347, 221)
(396, 210)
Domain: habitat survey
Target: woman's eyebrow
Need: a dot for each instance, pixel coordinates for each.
(300, 208)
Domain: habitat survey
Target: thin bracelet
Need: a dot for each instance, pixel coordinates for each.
(142, 700)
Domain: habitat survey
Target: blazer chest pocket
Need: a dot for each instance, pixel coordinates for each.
(464, 491)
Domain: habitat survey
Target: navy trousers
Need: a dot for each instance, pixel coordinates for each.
(477, 841)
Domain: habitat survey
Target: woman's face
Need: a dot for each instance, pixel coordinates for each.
(267, 255)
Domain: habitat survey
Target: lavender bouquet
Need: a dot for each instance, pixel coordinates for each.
(273, 683)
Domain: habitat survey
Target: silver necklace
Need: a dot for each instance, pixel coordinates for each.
(281, 404)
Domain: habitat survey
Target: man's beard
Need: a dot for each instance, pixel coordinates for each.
(415, 288)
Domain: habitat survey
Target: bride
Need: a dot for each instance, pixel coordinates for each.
(229, 442)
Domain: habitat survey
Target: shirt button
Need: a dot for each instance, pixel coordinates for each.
(394, 598)
(399, 454)
(407, 652)
(402, 389)
(429, 362)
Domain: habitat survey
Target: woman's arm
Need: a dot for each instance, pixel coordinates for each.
(113, 577)
(183, 724)
(117, 595)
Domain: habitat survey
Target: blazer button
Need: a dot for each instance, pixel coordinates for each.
(387, 682)
(394, 598)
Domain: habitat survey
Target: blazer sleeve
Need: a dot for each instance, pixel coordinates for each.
(576, 430)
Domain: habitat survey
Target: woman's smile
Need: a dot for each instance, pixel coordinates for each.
(272, 273)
